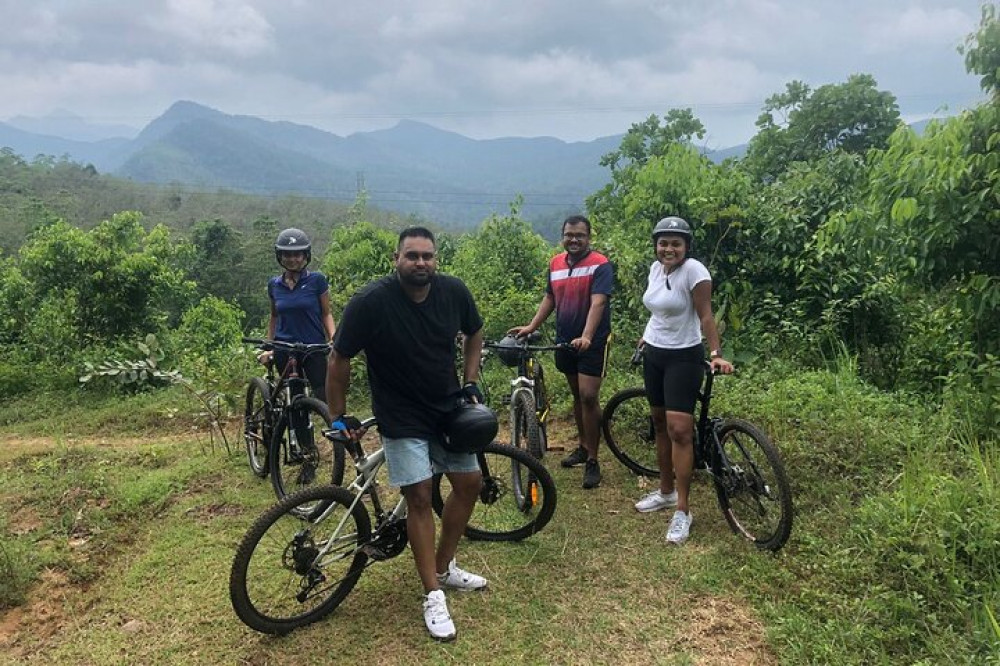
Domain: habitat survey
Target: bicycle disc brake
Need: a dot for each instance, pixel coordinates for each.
(300, 556)
(490, 492)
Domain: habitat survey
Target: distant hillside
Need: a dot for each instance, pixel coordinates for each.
(412, 168)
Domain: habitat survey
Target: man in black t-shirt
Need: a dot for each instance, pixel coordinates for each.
(406, 324)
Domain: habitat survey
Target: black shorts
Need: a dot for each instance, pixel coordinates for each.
(593, 362)
(673, 377)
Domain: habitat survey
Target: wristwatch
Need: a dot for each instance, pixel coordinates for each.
(715, 353)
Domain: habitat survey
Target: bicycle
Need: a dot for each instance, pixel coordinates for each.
(528, 401)
(280, 420)
(303, 556)
(744, 465)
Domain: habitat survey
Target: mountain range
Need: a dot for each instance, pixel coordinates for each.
(412, 168)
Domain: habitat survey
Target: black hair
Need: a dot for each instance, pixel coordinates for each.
(415, 232)
(576, 219)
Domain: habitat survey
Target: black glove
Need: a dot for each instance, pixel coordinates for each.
(472, 393)
(345, 423)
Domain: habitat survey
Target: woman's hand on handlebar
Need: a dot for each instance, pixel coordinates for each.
(581, 344)
(721, 366)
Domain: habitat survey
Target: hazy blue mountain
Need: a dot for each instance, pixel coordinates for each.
(106, 154)
(68, 125)
(412, 167)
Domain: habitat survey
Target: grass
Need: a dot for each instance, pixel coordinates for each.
(120, 551)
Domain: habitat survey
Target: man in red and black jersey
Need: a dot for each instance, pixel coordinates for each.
(579, 291)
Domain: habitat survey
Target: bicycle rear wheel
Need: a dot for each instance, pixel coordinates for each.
(257, 425)
(279, 581)
(300, 457)
(500, 514)
(628, 431)
(753, 490)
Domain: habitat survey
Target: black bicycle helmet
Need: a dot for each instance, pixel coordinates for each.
(469, 428)
(292, 240)
(508, 350)
(674, 225)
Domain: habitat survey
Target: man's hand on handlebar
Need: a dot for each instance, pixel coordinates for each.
(347, 427)
(520, 331)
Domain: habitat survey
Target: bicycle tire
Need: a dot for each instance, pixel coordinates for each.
(270, 570)
(628, 431)
(498, 515)
(257, 426)
(293, 470)
(753, 489)
(525, 433)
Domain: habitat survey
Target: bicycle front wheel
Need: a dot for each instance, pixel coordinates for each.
(500, 514)
(525, 431)
(290, 572)
(300, 456)
(753, 490)
(257, 425)
(628, 431)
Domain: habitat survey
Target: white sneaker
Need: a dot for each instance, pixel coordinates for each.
(437, 618)
(680, 527)
(655, 501)
(459, 579)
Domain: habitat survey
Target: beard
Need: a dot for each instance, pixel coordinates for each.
(416, 279)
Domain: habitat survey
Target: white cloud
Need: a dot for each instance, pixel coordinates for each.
(496, 67)
(227, 26)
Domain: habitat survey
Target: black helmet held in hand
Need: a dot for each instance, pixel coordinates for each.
(508, 350)
(674, 225)
(293, 240)
(469, 428)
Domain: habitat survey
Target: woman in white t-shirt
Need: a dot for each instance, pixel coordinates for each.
(679, 299)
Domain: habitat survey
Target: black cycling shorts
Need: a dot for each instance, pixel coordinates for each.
(593, 362)
(673, 377)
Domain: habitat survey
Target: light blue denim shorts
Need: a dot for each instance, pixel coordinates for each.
(412, 460)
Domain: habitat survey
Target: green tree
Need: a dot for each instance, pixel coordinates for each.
(644, 141)
(356, 255)
(127, 282)
(982, 51)
(800, 124)
(504, 265)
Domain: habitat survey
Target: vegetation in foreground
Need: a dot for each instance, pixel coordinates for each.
(893, 556)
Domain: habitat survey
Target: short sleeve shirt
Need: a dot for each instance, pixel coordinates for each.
(300, 316)
(409, 350)
(572, 286)
(673, 321)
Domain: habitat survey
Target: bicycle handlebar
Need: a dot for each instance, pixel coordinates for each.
(524, 346)
(636, 359)
(307, 348)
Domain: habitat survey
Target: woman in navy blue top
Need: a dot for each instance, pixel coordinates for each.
(300, 306)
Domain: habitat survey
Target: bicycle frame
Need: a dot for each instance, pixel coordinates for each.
(366, 483)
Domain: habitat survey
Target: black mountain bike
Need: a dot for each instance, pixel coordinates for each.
(282, 425)
(528, 401)
(303, 556)
(744, 465)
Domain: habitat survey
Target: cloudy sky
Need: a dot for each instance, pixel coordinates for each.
(574, 69)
